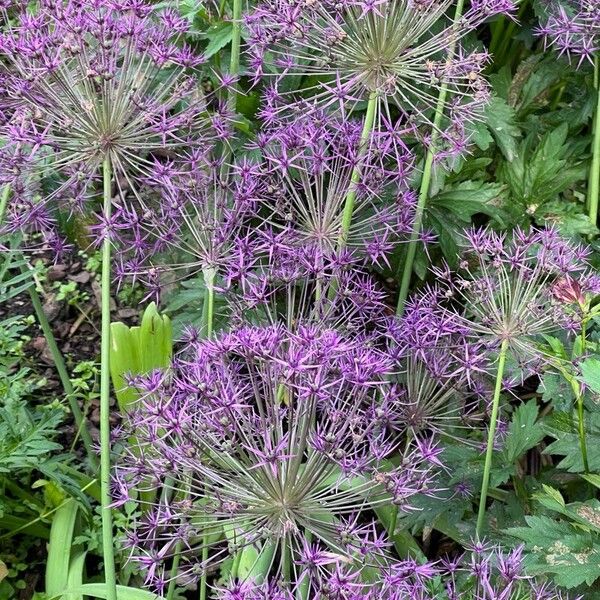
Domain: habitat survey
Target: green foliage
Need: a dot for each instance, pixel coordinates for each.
(501, 122)
(590, 371)
(524, 432)
(138, 350)
(543, 168)
(59, 548)
(565, 544)
(562, 427)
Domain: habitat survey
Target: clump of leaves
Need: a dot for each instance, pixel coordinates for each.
(565, 542)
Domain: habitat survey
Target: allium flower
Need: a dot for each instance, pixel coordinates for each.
(573, 28)
(507, 290)
(401, 51)
(310, 163)
(426, 405)
(282, 281)
(274, 440)
(94, 84)
(483, 573)
(192, 222)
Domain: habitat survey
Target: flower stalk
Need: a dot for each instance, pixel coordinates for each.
(356, 172)
(234, 63)
(426, 179)
(594, 181)
(107, 520)
(490, 440)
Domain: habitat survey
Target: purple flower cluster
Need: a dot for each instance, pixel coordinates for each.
(573, 28)
(275, 219)
(400, 52)
(276, 441)
(89, 83)
(513, 289)
(483, 573)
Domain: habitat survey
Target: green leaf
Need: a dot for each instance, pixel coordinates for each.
(542, 169)
(98, 590)
(59, 548)
(139, 350)
(218, 37)
(561, 426)
(124, 358)
(75, 577)
(590, 370)
(501, 121)
(560, 549)
(593, 479)
(255, 563)
(524, 432)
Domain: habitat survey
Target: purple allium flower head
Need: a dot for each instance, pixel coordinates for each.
(424, 404)
(194, 220)
(401, 50)
(573, 28)
(310, 163)
(266, 437)
(93, 83)
(506, 289)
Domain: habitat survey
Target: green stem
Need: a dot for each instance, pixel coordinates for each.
(59, 363)
(490, 440)
(594, 181)
(207, 329)
(4, 201)
(285, 562)
(209, 301)
(203, 577)
(107, 521)
(356, 172)
(236, 38)
(426, 180)
(581, 429)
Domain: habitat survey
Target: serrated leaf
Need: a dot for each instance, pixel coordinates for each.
(218, 37)
(561, 549)
(590, 370)
(524, 431)
(501, 121)
(563, 428)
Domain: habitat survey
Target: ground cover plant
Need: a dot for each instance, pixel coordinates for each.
(299, 299)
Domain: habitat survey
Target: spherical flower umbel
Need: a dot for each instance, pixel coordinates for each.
(508, 289)
(310, 164)
(401, 51)
(268, 439)
(93, 86)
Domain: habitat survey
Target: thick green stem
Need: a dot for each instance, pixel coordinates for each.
(426, 179)
(356, 172)
(59, 363)
(594, 180)
(490, 441)
(236, 38)
(207, 329)
(209, 301)
(107, 520)
(4, 201)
